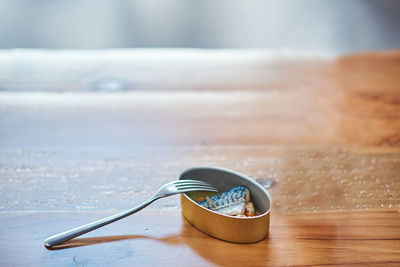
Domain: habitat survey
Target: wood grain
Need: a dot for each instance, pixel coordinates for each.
(337, 238)
(87, 134)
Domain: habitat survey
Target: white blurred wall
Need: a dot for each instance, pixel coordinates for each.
(339, 26)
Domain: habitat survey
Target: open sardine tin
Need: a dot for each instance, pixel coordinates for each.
(225, 227)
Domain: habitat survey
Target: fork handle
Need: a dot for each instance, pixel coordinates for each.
(67, 235)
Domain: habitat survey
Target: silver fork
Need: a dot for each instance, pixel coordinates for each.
(172, 188)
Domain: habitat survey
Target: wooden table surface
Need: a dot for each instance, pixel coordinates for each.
(85, 134)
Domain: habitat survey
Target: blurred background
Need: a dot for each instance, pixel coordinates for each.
(339, 26)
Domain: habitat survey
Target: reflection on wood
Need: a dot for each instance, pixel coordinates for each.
(308, 239)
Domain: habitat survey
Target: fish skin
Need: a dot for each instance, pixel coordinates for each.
(231, 202)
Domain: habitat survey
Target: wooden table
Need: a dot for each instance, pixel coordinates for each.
(84, 135)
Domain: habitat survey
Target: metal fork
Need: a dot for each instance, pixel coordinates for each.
(172, 188)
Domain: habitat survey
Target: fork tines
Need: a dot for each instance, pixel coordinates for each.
(194, 185)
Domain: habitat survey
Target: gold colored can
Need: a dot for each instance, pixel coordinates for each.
(225, 227)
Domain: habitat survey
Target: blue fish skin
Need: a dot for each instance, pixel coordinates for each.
(230, 202)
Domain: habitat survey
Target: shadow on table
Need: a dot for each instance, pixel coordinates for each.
(213, 250)
(89, 241)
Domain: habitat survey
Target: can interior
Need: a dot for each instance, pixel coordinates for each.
(224, 180)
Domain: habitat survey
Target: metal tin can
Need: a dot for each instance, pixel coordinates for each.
(225, 227)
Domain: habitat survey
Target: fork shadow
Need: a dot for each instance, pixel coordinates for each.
(89, 241)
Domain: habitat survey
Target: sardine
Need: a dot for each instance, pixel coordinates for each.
(232, 202)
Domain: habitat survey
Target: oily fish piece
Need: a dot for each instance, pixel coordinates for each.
(235, 202)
